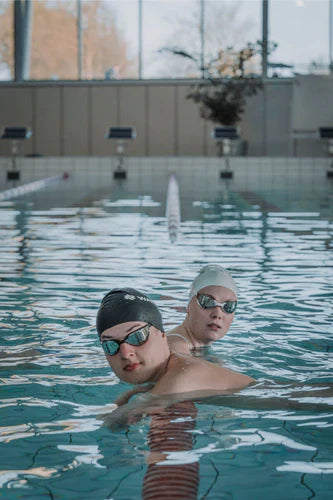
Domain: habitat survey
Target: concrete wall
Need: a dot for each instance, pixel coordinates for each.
(312, 108)
(71, 118)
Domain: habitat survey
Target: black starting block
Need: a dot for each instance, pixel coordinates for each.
(120, 134)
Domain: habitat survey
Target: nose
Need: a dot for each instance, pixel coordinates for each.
(126, 350)
(216, 312)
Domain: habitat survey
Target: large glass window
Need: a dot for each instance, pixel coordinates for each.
(6, 40)
(199, 28)
(301, 30)
(229, 27)
(168, 25)
(106, 39)
(110, 39)
(53, 40)
(90, 39)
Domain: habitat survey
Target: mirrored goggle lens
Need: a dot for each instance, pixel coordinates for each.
(230, 306)
(110, 347)
(207, 302)
(136, 338)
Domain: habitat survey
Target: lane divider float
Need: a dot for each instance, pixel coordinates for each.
(30, 187)
(173, 208)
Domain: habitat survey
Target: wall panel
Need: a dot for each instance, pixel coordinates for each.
(71, 118)
(133, 113)
(161, 120)
(191, 130)
(277, 112)
(104, 114)
(47, 122)
(311, 109)
(76, 121)
(252, 124)
(16, 110)
(316, 92)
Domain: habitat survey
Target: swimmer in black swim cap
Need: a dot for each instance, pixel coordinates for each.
(129, 326)
(126, 304)
(130, 330)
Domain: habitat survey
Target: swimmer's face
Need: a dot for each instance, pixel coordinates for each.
(208, 325)
(137, 364)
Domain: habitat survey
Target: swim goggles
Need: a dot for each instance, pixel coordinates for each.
(136, 338)
(207, 302)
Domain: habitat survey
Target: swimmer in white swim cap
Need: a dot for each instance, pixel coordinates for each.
(210, 312)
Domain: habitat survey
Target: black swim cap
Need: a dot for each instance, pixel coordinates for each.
(126, 304)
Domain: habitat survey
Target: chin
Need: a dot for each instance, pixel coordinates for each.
(134, 378)
(213, 336)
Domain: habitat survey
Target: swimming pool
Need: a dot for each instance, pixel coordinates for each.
(62, 247)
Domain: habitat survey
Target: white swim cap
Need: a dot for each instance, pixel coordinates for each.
(212, 275)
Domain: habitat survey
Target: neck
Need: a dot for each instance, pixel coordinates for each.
(162, 370)
(187, 332)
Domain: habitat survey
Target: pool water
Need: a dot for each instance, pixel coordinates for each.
(64, 246)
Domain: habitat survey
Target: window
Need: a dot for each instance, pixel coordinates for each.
(301, 30)
(230, 26)
(120, 39)
(167, 25)
(107, 47)
(6, 40)
(54, 40)
(110, 39)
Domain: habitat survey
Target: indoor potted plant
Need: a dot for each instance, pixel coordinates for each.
(222, 93)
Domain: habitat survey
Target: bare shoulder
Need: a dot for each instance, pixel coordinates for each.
(193, 374)
(208, 375)
(178, 342)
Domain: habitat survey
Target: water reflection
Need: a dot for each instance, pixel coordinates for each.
(63, 248)
(173, 471)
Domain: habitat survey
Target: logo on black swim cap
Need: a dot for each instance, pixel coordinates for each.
(136, 297)
(129, 297)
(121, 305)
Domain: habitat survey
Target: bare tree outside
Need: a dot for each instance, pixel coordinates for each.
(54, 44)
(225, 29)
(54, 41)
(225, 61)
(227, 32)
(105, 49)
(6, 39)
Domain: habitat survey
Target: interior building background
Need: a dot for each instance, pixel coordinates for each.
(70, 69)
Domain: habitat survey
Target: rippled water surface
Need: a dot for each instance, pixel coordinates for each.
(64, 246)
